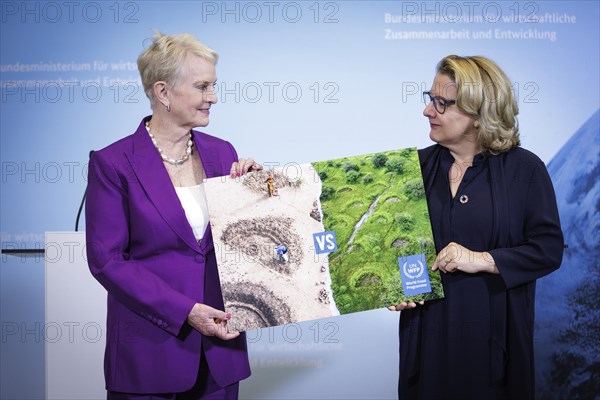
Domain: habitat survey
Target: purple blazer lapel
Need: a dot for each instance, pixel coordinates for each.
(155, 180)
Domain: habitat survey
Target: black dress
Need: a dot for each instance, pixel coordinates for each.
(477, 342)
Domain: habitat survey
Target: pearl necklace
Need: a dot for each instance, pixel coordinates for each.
(165, 158)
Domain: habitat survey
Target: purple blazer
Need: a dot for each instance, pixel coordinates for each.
(141, 248)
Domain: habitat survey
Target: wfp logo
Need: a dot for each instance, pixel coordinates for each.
(413, 270)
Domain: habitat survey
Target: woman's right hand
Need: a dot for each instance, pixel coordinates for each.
(405, 305)
(210, 322)
(243, 166)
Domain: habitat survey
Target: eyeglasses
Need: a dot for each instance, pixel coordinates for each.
(439, 103)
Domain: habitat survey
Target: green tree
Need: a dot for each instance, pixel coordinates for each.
(379, 160)
(352, 176)
(407, 152)
(327, 192)
(395, 164)
(414, 189)
(350, 166)
(405, 220)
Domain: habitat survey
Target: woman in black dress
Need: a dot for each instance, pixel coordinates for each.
(496, 229)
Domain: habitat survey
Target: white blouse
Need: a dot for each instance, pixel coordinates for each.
(193, 200)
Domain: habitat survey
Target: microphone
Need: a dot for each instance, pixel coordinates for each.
(82, 201)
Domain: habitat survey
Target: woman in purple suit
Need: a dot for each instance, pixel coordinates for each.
(149, 241)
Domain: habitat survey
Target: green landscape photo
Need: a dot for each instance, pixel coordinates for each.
(376, 206)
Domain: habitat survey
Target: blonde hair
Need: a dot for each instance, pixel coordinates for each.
(485, 94)
(164, 59)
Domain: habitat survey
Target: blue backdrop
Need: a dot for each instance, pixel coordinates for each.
(298, 81)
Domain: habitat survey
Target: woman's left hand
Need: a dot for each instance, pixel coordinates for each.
(405, 305)
(210, 322)
(455, 257)
(243, 166)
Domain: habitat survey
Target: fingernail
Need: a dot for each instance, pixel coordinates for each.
(228, 316)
